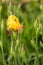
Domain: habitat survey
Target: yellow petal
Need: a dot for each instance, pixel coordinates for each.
(13, 22)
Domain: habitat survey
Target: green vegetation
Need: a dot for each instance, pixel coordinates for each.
(26, 47)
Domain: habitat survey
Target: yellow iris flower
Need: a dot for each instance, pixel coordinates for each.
(13, 23)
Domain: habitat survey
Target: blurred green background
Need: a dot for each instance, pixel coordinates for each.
(26, 47)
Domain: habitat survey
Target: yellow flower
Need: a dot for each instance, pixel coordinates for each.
(13, 23)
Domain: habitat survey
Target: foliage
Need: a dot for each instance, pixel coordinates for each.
(25, 47)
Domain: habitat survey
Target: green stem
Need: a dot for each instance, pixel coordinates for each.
(4, 62)
(3, 58)
(37, 51)
(39, 56)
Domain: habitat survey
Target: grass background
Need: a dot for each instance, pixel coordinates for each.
(26, 47)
